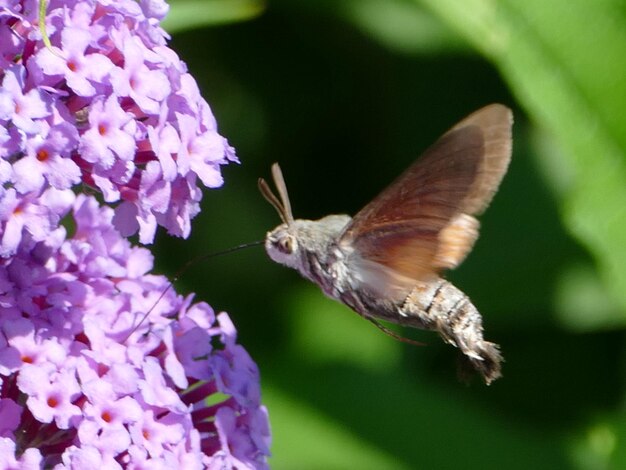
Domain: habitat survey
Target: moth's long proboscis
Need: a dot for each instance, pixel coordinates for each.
(182, 270)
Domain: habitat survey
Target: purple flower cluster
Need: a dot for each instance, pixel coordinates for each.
(108, 106)
(84, 387)
(102, 366)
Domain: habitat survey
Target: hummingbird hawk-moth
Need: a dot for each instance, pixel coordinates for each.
(385, 262)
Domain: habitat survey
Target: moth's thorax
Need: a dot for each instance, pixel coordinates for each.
(306, 245)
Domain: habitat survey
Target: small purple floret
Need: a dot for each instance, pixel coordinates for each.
(101, 364)
(109, 106)
(82, 382)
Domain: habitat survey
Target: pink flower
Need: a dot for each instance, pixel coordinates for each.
(89, 384)
(108, 106)
(99, 368)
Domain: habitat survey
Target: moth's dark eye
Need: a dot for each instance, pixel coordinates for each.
(285, 245)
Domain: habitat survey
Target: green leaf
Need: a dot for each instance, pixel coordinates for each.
(564, 60)
(321, 441)
(401, 27)
(594, 447)
(188, 14)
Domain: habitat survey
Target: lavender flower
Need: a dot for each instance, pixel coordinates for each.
(109, 106)
(82, 387)
(87, 379)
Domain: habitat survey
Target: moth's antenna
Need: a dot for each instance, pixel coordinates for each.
(182, 270)
(272, 199)
(282, 205)
(279, 181)
(393, 334)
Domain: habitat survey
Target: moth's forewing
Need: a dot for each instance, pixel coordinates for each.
(495, 122)
(423, 222)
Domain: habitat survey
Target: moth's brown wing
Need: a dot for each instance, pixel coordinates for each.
(423, 222)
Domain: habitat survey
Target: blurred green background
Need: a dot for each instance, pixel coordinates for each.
(346, 94)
